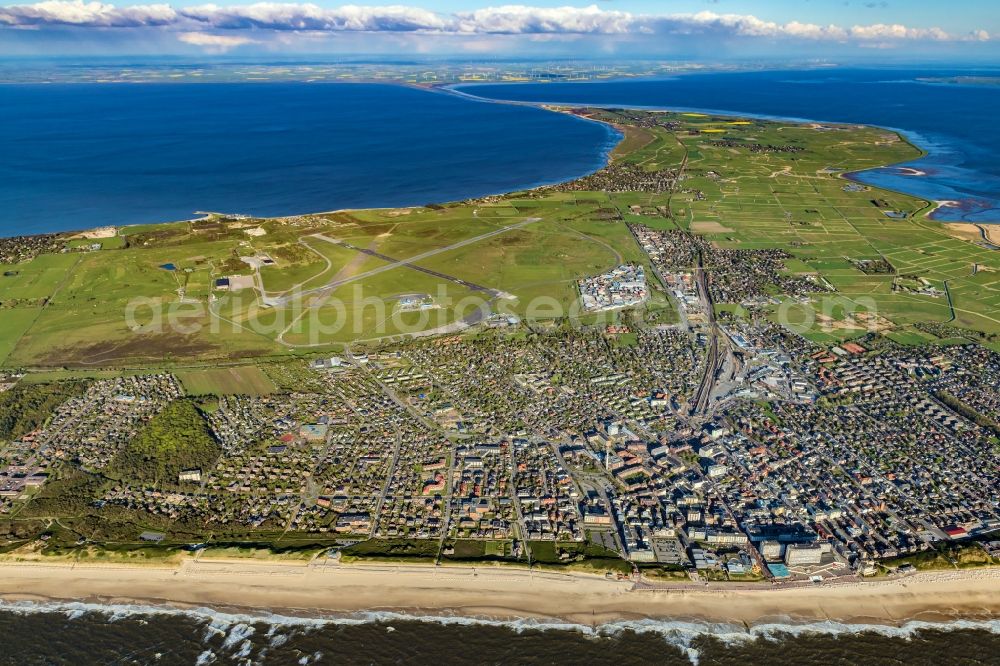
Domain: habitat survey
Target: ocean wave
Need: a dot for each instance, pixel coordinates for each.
(236, 628)
(683, 634)
(205, 658)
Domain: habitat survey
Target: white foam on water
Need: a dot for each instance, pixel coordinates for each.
(246, 647)
(238, 633)
(205, 658)
(237, 628)
(274, 639)
(213, 627)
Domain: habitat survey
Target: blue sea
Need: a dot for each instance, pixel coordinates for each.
(956, 123)
(80, 155)
(71, 633)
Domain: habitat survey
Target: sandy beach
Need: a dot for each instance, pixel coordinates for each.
(974, 232)
(991, 231)
(499, 593)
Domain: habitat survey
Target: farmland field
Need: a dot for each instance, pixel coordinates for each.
(795, 198)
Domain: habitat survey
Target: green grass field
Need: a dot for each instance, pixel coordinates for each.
(35, 279)
(14, 322)
(243, 380)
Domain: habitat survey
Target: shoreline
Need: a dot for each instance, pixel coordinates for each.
(604, 158)
(907, 136)
(332, 592)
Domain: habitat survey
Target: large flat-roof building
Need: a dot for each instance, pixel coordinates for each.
(803, 554)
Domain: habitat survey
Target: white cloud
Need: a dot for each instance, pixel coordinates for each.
(281, 16)
(214, 43)
(881, 31)
(87, 14)
(812, 31)
(745, 25)
(209, 20)
(521, 19)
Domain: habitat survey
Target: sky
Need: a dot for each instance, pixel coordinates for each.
(800, 30)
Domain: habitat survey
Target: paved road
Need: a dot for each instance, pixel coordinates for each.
(410, 262)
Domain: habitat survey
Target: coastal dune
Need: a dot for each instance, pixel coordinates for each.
(500, 593)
